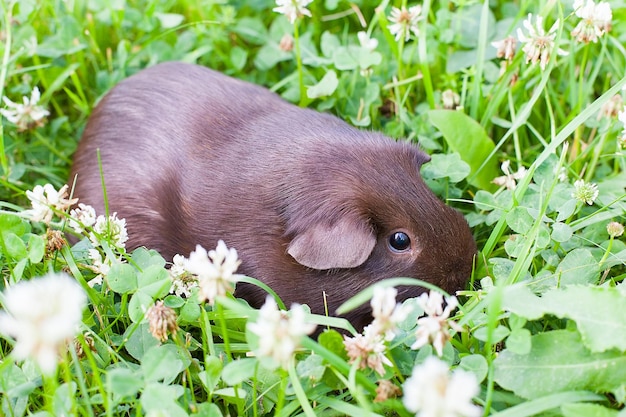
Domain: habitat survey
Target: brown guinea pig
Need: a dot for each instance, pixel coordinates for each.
(311, 204)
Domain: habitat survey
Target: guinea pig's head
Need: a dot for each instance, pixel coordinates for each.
(368, 216)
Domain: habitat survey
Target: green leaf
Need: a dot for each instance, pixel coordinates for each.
(476, 364)
(352, 57)
(169, 20)
(238, 371)
(561, 232)
(13, 223)
(123, 382)
(161, 398)
(63, 399)
(138, 305)
(587, 410)
(566, 210)
(578, 267)
(333, 341)
(559, 361)
(140, 340)
(519, 299)
(211, 374)
(519, 341)
(252, 30)
(122, 278)
(36, 248)
(14, 246)
(238, 57)
(162, 363)
(600, 314)
(145, 258)
(174, 301)
(519, 220)
(207, 410)
(15, 383)
(326, 87)
(269, 55)
(446, 166)
(190, 312)
(311, 369)
(329, 43)
(231, 395)
(345, 408)
(499, 334)
(467, 137)
(154, 281)
(537, 406)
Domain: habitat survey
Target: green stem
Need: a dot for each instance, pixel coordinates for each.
(607, 252)
(297, 388)
(220, 314)
(280, 402)
(8, 16)
(207, 335)
(591, 168)
(296, 37)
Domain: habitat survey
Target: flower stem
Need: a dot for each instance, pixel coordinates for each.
(296, 41)
(423, 56)
(297, 387)
(8, 16)
(220, 314)
(607, 252)
(591, 168)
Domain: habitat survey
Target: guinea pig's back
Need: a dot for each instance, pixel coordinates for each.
(160, 132)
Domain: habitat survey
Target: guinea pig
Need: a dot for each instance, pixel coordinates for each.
(316, 209)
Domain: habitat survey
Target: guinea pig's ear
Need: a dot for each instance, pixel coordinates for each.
(345, 244)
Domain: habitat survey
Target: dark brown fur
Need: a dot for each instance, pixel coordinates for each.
(191, 156)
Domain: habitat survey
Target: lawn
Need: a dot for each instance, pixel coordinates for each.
(520, 105)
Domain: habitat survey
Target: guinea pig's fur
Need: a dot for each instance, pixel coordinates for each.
(191, 156)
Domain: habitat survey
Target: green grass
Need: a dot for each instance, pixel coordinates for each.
(545, 308)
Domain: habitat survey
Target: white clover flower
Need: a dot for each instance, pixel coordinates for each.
(434, 327)
(539, 45)
(27, 115)
(368, 348)
(100, 266)
(432, 391)
(386, 312)
(215, 270)
(585, 192)
(509, 179)
(42, 315)
(82, 217)
(450, 99)
(595, 20)
(280, 333)
(615, 229)
(367, 42)
(505, 47)
(561, 174)
(161, 320)
(182, 280)
(45, 199)
(405, 21)
(293, 9)
(111, 229)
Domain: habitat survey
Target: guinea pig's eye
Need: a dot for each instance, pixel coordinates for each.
(399, 242)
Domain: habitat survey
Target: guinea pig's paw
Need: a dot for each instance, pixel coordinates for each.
(346, 243)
